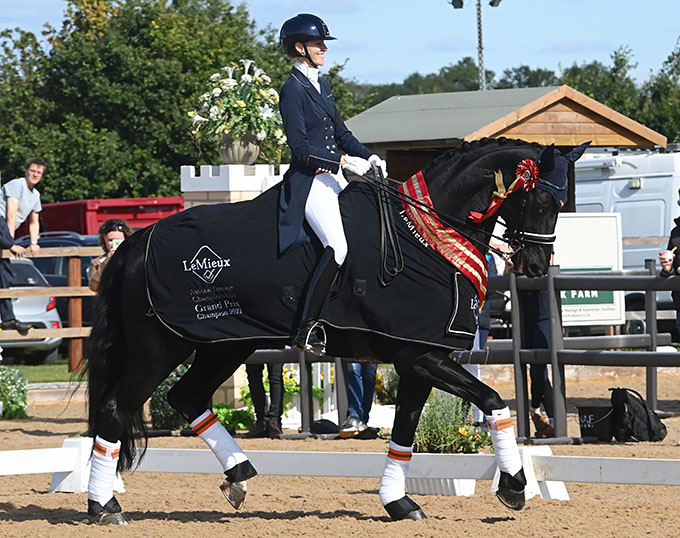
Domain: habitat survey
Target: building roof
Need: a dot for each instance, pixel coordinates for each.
(557, 114)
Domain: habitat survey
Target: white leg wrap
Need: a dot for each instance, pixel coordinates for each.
(393, 484)
(227, 451)
(504, 441)
(103, 471)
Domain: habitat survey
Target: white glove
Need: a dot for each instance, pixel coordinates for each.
(377, 161)
(357, 165)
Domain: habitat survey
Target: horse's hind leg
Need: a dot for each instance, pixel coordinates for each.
(212, 365)
(148, 362)
(439, 369)
(412, 394)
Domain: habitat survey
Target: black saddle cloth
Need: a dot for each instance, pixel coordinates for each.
(214, 274)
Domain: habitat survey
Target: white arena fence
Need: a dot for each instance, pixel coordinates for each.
(448, 474)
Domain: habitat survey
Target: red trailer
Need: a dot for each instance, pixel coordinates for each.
(85, 216)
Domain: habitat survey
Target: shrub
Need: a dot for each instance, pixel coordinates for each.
(386, 384)
(234, 419)
(446, 426)
(163, 416)
(13, 393)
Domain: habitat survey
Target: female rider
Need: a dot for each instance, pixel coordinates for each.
(316, 135)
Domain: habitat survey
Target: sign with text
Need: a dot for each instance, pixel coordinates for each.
(590, 242)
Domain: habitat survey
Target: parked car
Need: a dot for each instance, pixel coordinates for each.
(55, 268)
(40, 312)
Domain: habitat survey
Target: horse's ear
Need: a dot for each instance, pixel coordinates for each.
(575, 154)
(546, 159)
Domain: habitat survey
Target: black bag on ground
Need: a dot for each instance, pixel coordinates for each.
(632, 420)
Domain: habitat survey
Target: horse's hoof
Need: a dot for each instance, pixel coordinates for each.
(107, 518)
(405, 508)
(109, 514)
(511, 490)
(234, 492)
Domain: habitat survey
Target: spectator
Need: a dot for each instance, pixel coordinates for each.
(111, 234)
(670, 265)
(19, 200)
(360, 391)
(267, 418)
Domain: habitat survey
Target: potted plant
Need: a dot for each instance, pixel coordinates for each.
(446, 427)
(239, 111)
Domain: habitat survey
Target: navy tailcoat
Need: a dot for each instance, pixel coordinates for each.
(316, 134)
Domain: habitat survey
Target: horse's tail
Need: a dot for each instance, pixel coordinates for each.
(105, 350)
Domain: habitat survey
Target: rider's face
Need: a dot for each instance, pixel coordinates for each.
(316, 50)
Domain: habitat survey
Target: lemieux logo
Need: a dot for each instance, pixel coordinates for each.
(206, 265)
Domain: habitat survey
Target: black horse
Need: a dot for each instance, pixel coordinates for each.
(142, 331)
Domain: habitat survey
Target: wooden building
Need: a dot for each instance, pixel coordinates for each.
(411, 130)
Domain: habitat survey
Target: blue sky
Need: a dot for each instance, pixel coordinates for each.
(387, 40)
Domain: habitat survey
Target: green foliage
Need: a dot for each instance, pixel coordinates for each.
(386, 384)
(163, 416)
(446, 426)
(525, 77)
(108, 97)
(291, 387)
(13, 393)
(234, 419)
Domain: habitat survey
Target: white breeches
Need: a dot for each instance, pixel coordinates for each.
(322, 212)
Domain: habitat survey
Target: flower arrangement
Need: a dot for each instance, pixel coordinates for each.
(240, 101)
(13, 393)
(446, 426)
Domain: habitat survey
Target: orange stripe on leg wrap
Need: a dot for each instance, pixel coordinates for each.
(501, 424)
(399, 455)
(209, 421)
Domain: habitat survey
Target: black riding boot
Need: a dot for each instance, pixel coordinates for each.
(311, 335)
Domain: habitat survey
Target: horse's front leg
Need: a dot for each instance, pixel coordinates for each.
(412, 394)
(439, 369)
(212, 365)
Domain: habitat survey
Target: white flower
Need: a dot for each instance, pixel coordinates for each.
(258, 72)
(282, 141)
(246, 78)
(261, 135)
(214, 77)
(273, 92)
(217, 92)
(246, 65)
(228, 83)
(197, 119)
(266, 79)
(214, 112)
(266, 112)
(230, 70)
(205, 97)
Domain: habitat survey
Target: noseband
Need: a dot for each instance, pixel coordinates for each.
(516, 238)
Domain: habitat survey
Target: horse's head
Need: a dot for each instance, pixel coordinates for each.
(530, 215)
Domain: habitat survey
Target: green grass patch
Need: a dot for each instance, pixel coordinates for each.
(46, 373)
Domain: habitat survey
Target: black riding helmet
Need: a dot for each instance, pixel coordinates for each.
(302, 28)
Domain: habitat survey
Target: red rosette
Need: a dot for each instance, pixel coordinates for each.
(527, 172)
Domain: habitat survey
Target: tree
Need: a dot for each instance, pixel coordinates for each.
(115, 87)
(611, 86)
(525, 77)
(661, 103)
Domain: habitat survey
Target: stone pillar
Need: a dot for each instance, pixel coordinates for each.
(222, 184)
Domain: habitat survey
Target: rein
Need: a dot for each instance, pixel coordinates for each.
(448, 220)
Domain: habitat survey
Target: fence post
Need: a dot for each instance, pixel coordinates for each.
(556, 345)
(75, 315)
(341, 390)
(650, 320)
(520, 370)
(306, 391)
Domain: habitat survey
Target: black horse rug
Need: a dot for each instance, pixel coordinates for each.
(213, 274)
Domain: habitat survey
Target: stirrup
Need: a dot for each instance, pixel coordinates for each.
(309, 340)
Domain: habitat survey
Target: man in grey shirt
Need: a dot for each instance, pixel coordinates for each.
(19, 200)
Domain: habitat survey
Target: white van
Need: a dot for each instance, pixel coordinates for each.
(643, 187)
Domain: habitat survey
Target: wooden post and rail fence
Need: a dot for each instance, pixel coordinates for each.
(75, 331)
